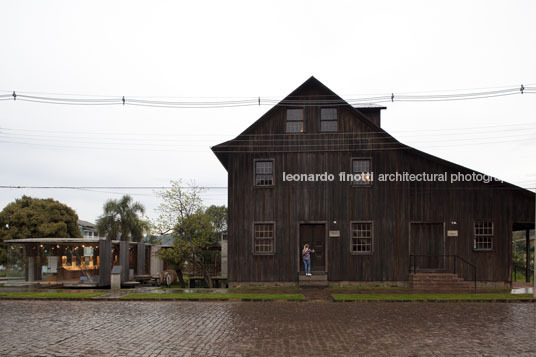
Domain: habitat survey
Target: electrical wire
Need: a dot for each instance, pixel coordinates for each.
(114, 187)
(288, 101)
(279, 139)
(418, 132)
(496, 186)
(270, 143)
(378, 138)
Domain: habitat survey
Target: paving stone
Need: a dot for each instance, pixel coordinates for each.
(72, 328)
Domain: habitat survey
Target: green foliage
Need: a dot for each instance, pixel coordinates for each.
(218, 218)
(121, 219)
(29, 217)
(176, 255)
(519, 256)
(194, 229)
(193, 238)
(3, 254)
(178, 203)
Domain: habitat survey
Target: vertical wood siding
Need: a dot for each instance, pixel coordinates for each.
(390, 205)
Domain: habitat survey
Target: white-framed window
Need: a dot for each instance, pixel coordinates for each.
(483, 235)
(328, 119)
(264, 238)
(294, 120)
(361, 237)
(362, 171)
(264, 172)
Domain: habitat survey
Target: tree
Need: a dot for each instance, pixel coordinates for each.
(29, 217)
(121, 219)
(194, 236)
(194, 229)
(218, 218)
(178, 203)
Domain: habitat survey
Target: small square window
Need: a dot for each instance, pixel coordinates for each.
(264, 175)
(361, 169)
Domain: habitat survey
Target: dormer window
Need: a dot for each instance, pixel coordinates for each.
(328, 120)
(295, 120)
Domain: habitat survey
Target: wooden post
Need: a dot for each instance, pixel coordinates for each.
(140, 259)
(123, 260)
(527, 252)
(105, 262)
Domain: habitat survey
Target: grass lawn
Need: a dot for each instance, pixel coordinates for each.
(265, 288)
(59, 295)
(215, 296)
(367, 288)
(240, 288)
(422, 297)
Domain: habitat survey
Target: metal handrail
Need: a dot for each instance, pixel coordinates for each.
(456, 258)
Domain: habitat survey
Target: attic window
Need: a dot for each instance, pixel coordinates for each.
(295, 120)
(328, 119)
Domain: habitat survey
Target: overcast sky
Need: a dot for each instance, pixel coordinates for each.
(237, 49)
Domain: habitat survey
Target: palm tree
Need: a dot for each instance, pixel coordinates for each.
(121, 218)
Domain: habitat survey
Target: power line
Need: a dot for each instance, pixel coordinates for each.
(273, 141)
(87, 188)
(258, 101)
(280, 148)
(458, 131)
(113, 187)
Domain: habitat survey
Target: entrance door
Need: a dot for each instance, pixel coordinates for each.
(427, 246)
(315, 236)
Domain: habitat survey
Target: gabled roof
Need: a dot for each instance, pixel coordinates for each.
(85, 224)
(323, 96)
(312, 87)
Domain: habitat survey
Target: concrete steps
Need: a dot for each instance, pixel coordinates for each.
(438, 282)
(318, 279)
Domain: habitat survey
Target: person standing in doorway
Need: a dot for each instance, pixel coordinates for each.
(306, 254)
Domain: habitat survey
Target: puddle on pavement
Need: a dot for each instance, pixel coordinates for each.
(522, 291)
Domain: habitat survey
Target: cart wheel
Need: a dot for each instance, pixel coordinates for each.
(168, 279)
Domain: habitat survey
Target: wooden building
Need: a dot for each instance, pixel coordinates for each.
(316, 170)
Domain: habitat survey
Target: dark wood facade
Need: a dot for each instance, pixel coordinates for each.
(395, 214)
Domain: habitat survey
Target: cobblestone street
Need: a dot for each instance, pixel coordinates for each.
(278, 328)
